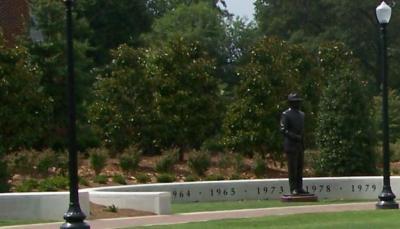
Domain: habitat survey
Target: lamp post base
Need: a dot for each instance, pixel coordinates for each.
(391, 204)
(75, 225)
(387, 199)
(74, 218)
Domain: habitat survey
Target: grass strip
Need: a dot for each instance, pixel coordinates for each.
(247, 204)
(354, 220)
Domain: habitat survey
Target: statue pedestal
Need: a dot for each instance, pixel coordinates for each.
(299, 198)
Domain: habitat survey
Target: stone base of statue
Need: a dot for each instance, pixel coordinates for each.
(299, 198)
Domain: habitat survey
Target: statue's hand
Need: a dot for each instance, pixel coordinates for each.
(294, 136)
(298, 137)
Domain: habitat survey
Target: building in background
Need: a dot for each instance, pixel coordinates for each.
(14, 19)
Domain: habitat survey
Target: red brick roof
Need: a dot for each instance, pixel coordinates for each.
(14, 15)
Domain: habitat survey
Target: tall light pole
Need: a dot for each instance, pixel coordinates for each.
(386, 198)
(74, 217)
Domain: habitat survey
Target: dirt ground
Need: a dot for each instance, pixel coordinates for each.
(148, 163)
(104, 212)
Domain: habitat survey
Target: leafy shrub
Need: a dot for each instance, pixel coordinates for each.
(53, 184)
(236, 176)
(213, 145)
(83, 181)
(165, 178)
(36, 163)
(167, 161)
(23, 161)
(62, 162)
(111, 208)
(4, 173)
(46, 160)
(143, 178)
(27, 186)
(395, 151)
(98, 159)
(119, 179)
(226, 160)
(4, 176)
(215, 177)
(190, 178)
(45, 164)
(100, 179)
(129, 159)
(395, 171)
(239, 165)
(199, 162)
(259, 167)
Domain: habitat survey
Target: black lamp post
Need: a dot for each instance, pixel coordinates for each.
(74, 217)
(386, 198)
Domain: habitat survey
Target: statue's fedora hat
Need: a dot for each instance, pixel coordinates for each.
(294, 97)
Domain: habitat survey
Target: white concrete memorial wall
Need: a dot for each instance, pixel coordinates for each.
(157, 198)
(39, 205)
(265, 189)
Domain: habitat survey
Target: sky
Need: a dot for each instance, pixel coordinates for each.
(242, 8)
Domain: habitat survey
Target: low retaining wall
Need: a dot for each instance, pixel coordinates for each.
(39, 205)
(264, 189)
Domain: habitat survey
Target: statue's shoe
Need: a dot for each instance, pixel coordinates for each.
(295, 192)
(303, 192)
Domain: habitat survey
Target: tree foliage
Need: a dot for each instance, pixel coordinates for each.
(181, 72)
(242, 36)
(161, 7)
(114, 23)
(24, 105)
(271, 70)
(345, 124)
(394, 119)
(195, 22)
(312, 22)
(187, 96)
(123, 107)
(50, 56)
(158, 97)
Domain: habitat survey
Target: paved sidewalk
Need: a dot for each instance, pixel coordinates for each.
(206, 216)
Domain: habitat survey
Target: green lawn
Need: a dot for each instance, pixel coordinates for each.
(359, 219)
(248, 204)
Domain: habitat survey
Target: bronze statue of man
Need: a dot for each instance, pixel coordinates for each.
(292, 127)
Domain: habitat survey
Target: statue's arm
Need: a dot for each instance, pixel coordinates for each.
(284, 127)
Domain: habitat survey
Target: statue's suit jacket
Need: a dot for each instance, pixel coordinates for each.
(292, 127)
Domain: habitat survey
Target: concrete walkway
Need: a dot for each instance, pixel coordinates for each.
(206, 216)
